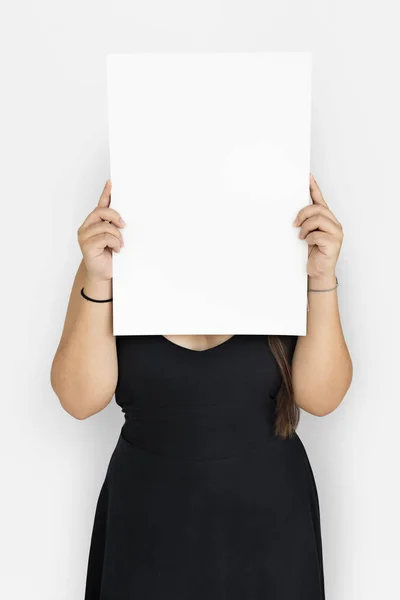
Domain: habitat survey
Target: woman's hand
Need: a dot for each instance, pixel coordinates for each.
(98, 236)
(322, 232)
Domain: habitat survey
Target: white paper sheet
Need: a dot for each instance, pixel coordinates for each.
(210, 162)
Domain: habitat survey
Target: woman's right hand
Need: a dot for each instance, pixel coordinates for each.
(99, 236)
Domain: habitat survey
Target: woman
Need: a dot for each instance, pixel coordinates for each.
(209, 494)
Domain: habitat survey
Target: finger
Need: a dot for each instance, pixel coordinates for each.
(314, 209)
(316, 194)
(104, 214)
(319, 238)
(100, 242)
(99, 227)
(318, 222)
(105, 197)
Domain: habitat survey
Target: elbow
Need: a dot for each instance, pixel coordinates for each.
(73, 406)
(80, 405)
(69, 403)
(67, 399)
(322, 404)
(317, 409)
(322, 407)
(74, 412)
(81, 396)
(324, 411)
(326, 398)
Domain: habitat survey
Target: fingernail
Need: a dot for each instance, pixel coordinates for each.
(122, 222)
(295, 222)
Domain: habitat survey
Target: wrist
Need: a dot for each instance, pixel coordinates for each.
(323, 282)
(98, 289)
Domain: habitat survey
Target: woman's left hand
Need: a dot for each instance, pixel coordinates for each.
(322, 232)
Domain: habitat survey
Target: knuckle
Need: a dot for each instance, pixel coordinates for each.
(340, 232)
(307, 210)
(113, 229)
(112, 214)
(301, 212)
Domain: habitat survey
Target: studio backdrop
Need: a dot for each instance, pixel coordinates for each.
(54, 147)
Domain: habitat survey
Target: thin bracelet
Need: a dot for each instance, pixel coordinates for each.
(328, 290)
(92, 299)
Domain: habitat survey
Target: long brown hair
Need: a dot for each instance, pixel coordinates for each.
(287, 413)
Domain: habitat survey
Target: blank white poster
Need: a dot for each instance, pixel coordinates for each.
(210, 162)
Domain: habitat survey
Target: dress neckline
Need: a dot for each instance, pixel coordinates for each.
(192, 351)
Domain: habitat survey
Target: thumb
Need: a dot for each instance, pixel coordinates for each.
(105, 197)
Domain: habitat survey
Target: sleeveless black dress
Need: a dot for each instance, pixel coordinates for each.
(200, 500)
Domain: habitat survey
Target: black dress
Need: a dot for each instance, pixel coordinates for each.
(200, 500)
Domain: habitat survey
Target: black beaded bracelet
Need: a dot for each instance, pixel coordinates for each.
(92, 299)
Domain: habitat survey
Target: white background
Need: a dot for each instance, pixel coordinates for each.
(54, 163)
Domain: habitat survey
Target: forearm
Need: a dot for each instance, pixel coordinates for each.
(322, 367)
(84, 370)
